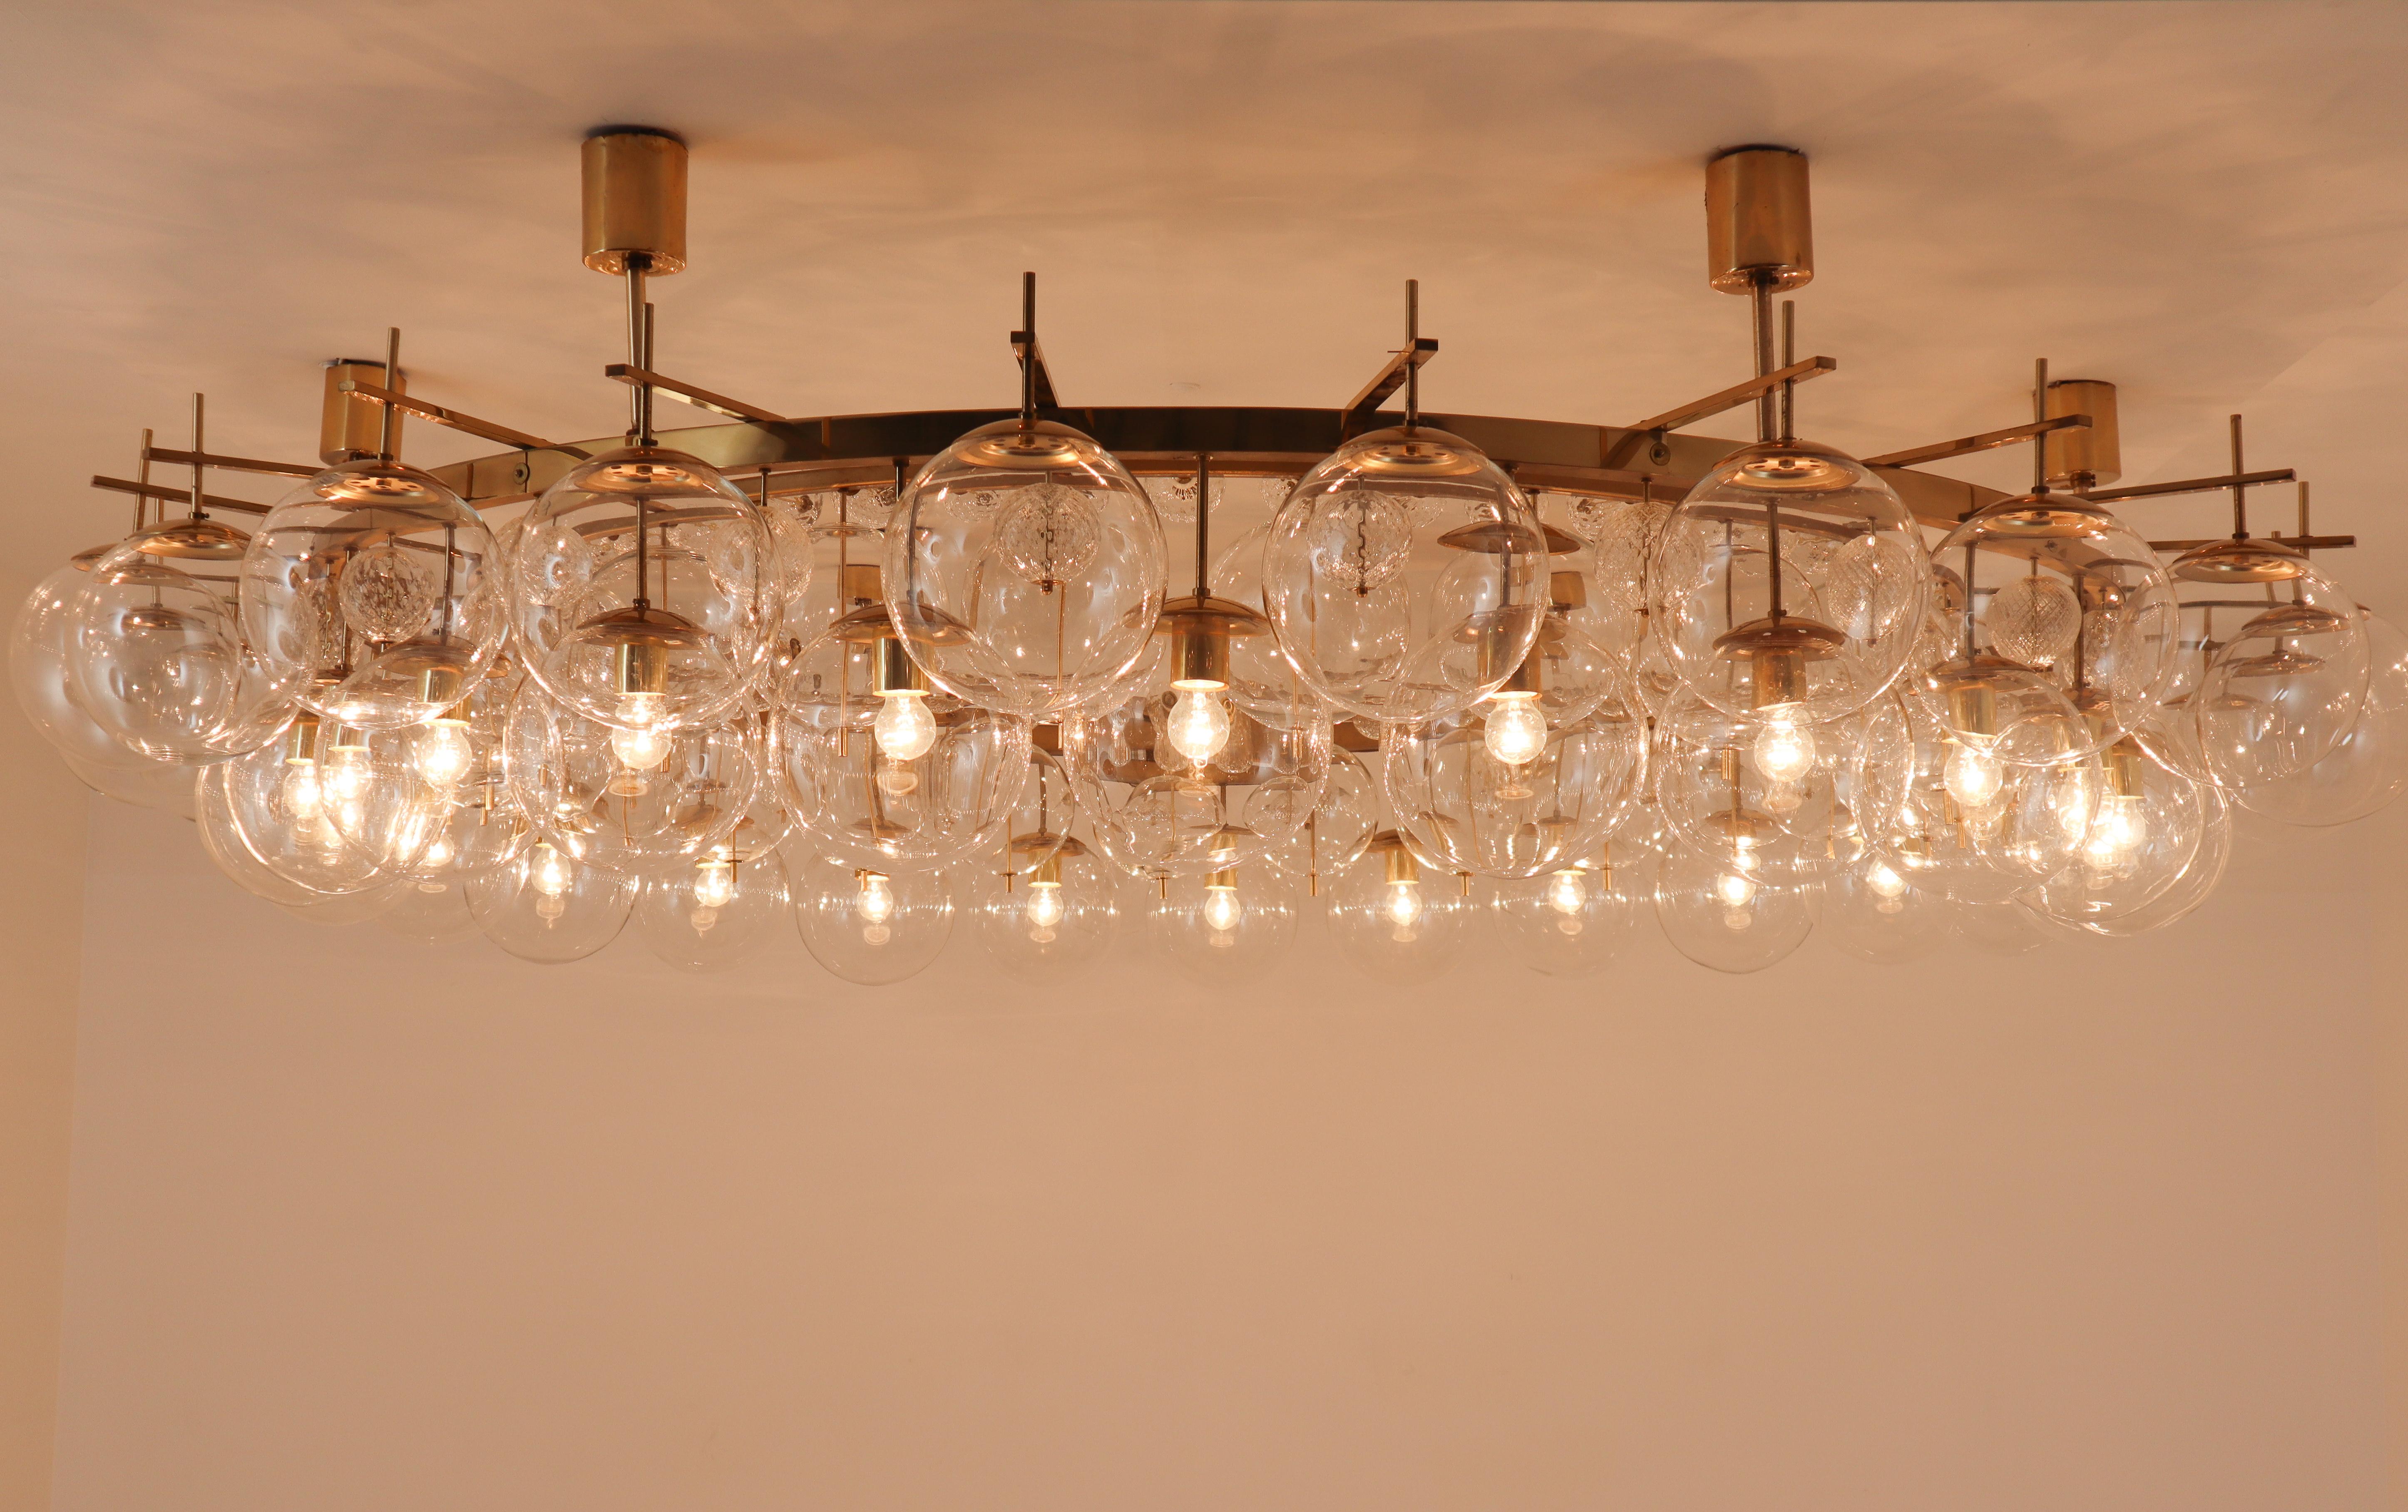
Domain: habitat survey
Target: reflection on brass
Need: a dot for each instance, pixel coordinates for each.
(2087, 456)
(1759, 222)
(634, 198)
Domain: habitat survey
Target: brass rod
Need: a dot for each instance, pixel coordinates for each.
(1788, 356)
(2040, 417)
(230, 464)
(2296, 543)
(1413, 343)
(174, 495)
(1737, 395)
(1390, 378)
(1028, 350)
(1760, 310)
(2240, 493)
(701, 398)
(1203, 519)
(200, 494)
(2303, 509)
(386, 419)
(1967, 446)
(142, 473)
(455, 420)
(639, 402)
(2192, 485)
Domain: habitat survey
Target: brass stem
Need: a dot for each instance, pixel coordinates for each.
(199, 403)
(2240, 495)
(1412, 345)
(1029, 356)
(640, 356)
(1204, 518)
(386, 419)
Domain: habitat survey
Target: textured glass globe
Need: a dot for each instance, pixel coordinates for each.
(1733, 913)
(40, 670)
(1166, 792)
(947, 805)
(546, 909)
(2147, 826)
(1569, 923)
(868, 927)
(1399, 917)
(1815, 630)
(1874, 911)
(648, 591)
(2066, 598)
(2283, 693)
(1406, 576)
(1025, 567)
(1052, 923)
(1222, 929)
(713, 914)
(157, 650)
(1447, 787)
(376, 593)
(2369, 767)
(627, 801)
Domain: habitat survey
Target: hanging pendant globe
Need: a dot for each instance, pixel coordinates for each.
(377, 593)
(2369, 767)
(1476, 813)
(2283, 688)
(157, 647)
(1839, 625)
(1406, 576)
(41, 671)
(1025, 568)
(674, 631)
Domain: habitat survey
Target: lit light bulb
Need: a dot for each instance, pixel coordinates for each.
(1888, 888)
(443, 754)
(1515, 729)
(1045, 911)
(1199, 723)
(1784, 750)
(1222, 909)
(1973, 778)
(437, 856)
(904, 727)
(1569, 892)
(877, 900)
(2118, 829)
(639, 750)
(301, 791)
(1402, 908)
(639, 711)
(714, 884)
(550, 872)
(1735, 890)
(897, 780)
(347, 775)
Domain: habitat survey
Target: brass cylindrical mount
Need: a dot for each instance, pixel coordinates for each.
(892, 669)
(639, 666)
(1567, 591)
(860, 582)
(634, 198)
(1529, 677)
(1759, 225)
(2080, 459)
(1973, 708)
(1401, 866)
(2123, 764)
(1199, 656)
(1777, 678)
(348, 428)
(301, 741)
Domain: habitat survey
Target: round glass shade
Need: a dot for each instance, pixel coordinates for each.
(1182, 781)
(1873, 911)
(627, 801)
(1399, 917)
(334, 809)
(1261, 679)
(1996, 929)
(1025, 568)
(1569, 922)
(157, 649)
(546, 909)
(1053, 922)
(40, 670)
(1791, 579)
(2072, 635)
(1224, 929)
(377, 593)
(430, 908)
(230, 850)
(713, 914)
(2284, 693)
(931, 798)
(2370, 766)
(1338, 827)
(1781, 776)
(2191, 886)
(649, 591)
(872, 928)
(164, 786)
(2147, 824)
(1732, 912)
(1448, 786)
(1406, 577)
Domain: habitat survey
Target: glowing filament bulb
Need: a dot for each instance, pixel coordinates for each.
(1888, 888)
(347, 775)
(1402, 908)
(904, 727)
(639, 750)
(1973, 778)
(1222, 909)
(1200, 721)
(1784, 750)
(301, 791)
(877, 900)
(549, 874)
(714, 884)
(443, 754)
(1515, 729)
(1735, 890)
(2116, 831)
(639, 711)
(1568, 892)
(1045, 911)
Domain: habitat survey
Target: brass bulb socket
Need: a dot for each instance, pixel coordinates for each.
(1759, 223)
(636, 668)
(1047, 871)
(301, 741)
(1567, 591)
(1401, 866)
(1973, 708)
(441, 685)
(1221, 881)
(1200, 656)
(2122, 761)
(348, 428)
(860, 582)
(634, 199)
(1529, 677)
(1776, 677)
(892, 669)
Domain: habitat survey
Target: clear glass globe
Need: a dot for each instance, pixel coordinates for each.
(376, 593)
(1182, 781)
(1569, 922)
(1406, 577)
(547, 908)
(713, 914)
(2192, 886)
(1261, 679)
(157, 650)
(1784, 778)
(2224, 584)
(2142, 835)
(430, 908)
(1399, 917)
(1447, 787)
(1026, 567)
(2004, 929)
(376, 903)
(2369, 767)
(1874, 911)
(868, 927)
(942, 799)
(1818, 628)
(2283, 693)
(1732, 912)
(334, 809)
(627, 801)
(229, 848)
(1338, 827)
(40, 670)
(1053, 922)
(164, 786)
(1222, 929)
(648, 591)
(2067, 600)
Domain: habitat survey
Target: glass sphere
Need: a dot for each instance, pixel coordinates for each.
(1448, 787)
(1399, 917)
(1996, 929)
(430, 908)
(1569, 923)
(157, 649)
(1338, 827)
(627, 801)
(1406, 577)
(547, 908)
(2143, 832)
(2067, 600)
(335, 809)
(40, 671)
(230, 848)
(1816, 628)
(1782, 778)
(2369, 767)
(165, 786)
(1872, 910)
(1222, 929)
(872, 928)
(1025, 567)
(2192, 886)
(1040, 821)
(375, 593)
(1049, 924)
(1261, 679)
(648, 591)
(713, 914)
(2225, 583)
(375, 903)
(933, 797)
(1183, 782)
(2283, 693)
(1733, 912)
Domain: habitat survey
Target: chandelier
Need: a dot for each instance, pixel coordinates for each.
(1054, 674)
